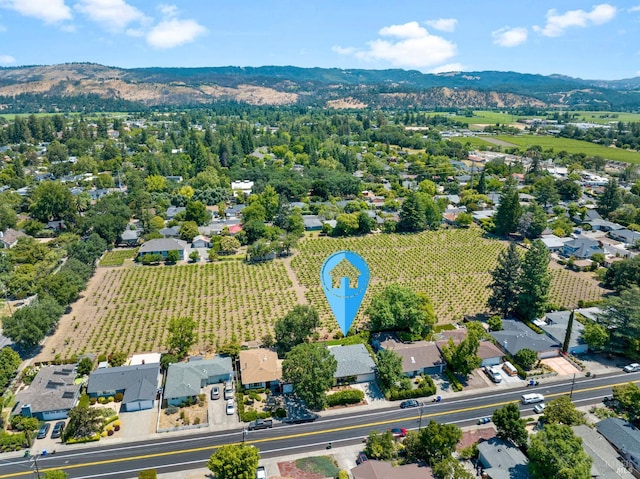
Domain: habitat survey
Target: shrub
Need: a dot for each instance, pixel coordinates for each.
(348, 396)
(343, 474)
(202, 397)
(102, 400)
(280, 413)
(118, 397)
(455, 384)
(426, 387)
(110, 399)
(148, 474)
(171, 410)
(196, 420)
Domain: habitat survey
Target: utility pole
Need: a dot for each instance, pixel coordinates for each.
(35, 465)
(572, 384)
(420, 423)
(244, 435)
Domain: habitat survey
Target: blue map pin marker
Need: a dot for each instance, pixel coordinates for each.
(344, 297)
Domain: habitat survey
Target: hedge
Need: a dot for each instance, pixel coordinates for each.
(79, 440)
(426, 388)
(348, 396)
(455, 384)
(148, 474)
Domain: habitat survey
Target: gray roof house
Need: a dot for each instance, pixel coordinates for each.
(312, 223)
(624, 437)
(555, 326)
(419, 357)
(599, 224)
(502, 460)
(170, 232)
(172, 211)
(129, 237)
(606, 464)
(516, 336)
(139, 384)
(354, 364)
(581, 248)
(9, 238)
(186, 380)
(51, 394)
(625, 236)
(162, 247)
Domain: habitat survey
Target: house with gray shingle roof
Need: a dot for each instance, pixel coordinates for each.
(516, 335)
(139, 385)
(606, 464)
(581, 248)
(555, 326)
(502, 460)
(51, 395)
(624, 437)
(625, 236)
(162, 247)
(186, 380)
(418, 357)
(355, 364)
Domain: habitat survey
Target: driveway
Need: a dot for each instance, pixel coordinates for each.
(219, 420)
(561, 366)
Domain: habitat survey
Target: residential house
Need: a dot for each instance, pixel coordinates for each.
(355, 364)
(516, 335)
(628, 237)
(554, 243)
(419, 357)
(201, 241)
(581, 248)
(502, 460)
(10, 238)
(489, 353)
(259, 368)
(243, 186)
(373, 469)
(172, 211)
(606, 464)
(599, 224)
(51, 395)
(234, 211)
(170, 232)
(624, 437)
(139, 385)
(129, 237)
(186, 380)
(312, 223)
(555, 325)
(162, 247)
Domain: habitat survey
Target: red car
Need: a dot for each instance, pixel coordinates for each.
(398, 432)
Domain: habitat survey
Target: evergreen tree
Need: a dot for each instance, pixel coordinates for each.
(412, 215)
(567, 336)
(504, 287)
(533, 222)
(482, 184)
(610, 199)
(534, 282)
(509, 210)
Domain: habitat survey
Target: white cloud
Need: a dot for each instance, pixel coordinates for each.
(172, 33)
(449, 67)
(634, 9)
(509, 37)
(558, 23)
(113, 15)
(168, 10)
(412, 46)
(443, 24)
(6, 59)
(50, 11)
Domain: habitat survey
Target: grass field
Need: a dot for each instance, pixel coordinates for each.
(573, 146)
(117, 257)
(605, 117)
(128, 308)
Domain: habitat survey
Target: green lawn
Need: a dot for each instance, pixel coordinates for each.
(605, 116)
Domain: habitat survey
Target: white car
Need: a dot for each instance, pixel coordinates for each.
(632, 368)
(539, 408)
(231, 407)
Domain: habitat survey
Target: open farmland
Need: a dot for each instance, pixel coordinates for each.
(128, 308)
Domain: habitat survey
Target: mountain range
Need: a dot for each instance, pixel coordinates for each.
(93, 87)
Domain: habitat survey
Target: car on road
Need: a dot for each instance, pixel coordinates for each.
(632, 368)
(484, 420)
(362, 457)
(231, 407)
(409, 403)
(539, 408)
(57, 430)
(215, 392)
(44, 430)
(398, 432)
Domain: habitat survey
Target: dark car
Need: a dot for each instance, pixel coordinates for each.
(362, 457)
(44, 430)
(409, 403)
(484, 420)
(57, 430)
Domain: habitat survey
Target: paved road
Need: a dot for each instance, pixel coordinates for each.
(179, 454)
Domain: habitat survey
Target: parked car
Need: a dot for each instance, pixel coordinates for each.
(231, 407)
(215, 392)
(409, 403)
(484, 420)
(632, 368)
(57, 430)
(398, 432)
(261, 473)
(44, 430)
(493, 374)
(228, 390)
(539, 408)
(362, 457)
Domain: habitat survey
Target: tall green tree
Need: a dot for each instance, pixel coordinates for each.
(51, 200)
(30, 324)
(381, 446)
(562, 411)
(567, 334)
(389, 367)
(310, 368)
(546, 191)
(399, 308)
(504, 287)
(533, 221)
(295, 327)
(509, 210)
(556, 453)
(463, 358)
(234, 461)
(182, 335)
(595, 335)
(412, 215)
(83, 422)
(534, 282)
(197, 212)
(510, 425)
(433, 443)
(610, 199)
(621, 318)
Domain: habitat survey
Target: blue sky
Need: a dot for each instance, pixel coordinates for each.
(577, 38)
